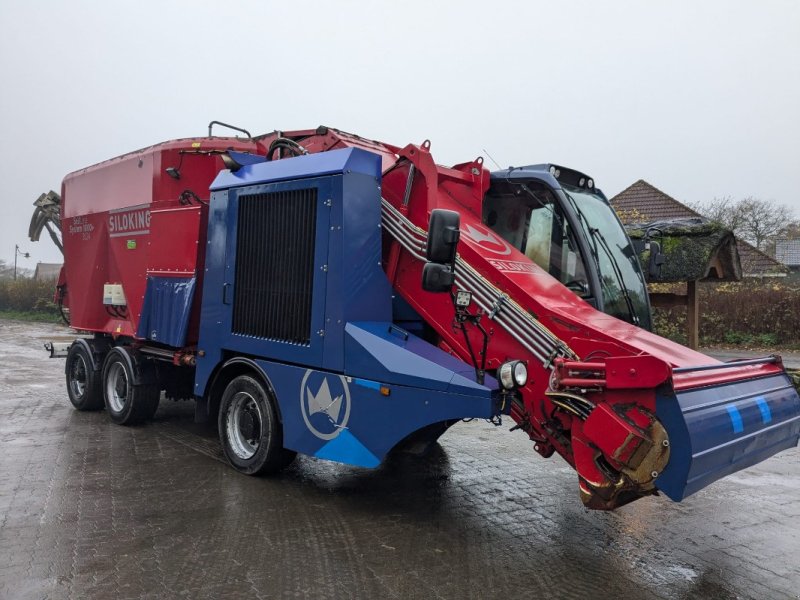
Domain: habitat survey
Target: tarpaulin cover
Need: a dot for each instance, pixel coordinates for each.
(166, 309)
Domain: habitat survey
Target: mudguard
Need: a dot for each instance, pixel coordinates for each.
(394, 385)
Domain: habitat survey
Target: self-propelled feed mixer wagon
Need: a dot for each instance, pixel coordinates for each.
(317, 292)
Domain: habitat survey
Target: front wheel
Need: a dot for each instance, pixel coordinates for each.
(127, 403)
(249, 429)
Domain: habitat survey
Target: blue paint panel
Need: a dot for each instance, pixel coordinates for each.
(763, 406)
(308, 354)
(358, 289)
(345, 448)
(212, 310)
(718, 430)
(219, 287)
(376, 350)
(335, 162)
(245, 158)
(736, 419)
(348, 283)
(378, 422)
(166, 308)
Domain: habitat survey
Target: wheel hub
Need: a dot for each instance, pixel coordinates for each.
(243, 424)
(117, 387)
(247, 425)
(78, 376)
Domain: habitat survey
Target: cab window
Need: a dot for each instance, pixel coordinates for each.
(528, 217)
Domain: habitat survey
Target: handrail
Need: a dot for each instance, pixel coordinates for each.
(210, 125)
(731, 364)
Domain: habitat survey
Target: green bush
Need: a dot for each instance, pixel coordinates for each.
(670, 324)
(28, 296)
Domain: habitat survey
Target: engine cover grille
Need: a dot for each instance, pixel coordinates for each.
(275, 265)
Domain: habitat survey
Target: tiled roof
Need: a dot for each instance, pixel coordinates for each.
(644, 202)
(647, 203)
(755, 263)
(788, 252)
(47, 270)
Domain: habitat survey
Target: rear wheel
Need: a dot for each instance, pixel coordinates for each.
(83, 382)
(249, 429)
(126, 402)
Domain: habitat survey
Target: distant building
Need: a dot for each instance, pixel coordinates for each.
(47, 271)
(788, 252)
(643, 202)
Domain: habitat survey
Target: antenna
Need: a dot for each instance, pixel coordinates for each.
(491, 158)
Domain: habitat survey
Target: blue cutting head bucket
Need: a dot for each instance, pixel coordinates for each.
(716, 430)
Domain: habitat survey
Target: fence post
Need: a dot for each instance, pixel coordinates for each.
(692, 315)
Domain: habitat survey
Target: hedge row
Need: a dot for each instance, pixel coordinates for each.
(749, 313)
(27, 295)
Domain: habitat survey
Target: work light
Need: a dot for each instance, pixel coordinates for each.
(513, 374)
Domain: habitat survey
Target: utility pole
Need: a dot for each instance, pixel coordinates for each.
(18, 252)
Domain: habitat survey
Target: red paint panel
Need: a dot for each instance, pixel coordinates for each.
(617, 438)
(697, 379)
(123, 220)
(174, 240)
(122, 183)
(636, 372)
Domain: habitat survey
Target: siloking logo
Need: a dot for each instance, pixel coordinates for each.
(128, 221)
(325, 404)
(486, 240)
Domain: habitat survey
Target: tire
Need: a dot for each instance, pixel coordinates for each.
(249, 429)
(83, 382)
(127, 403)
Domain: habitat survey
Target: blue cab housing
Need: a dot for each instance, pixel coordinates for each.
(294, 283)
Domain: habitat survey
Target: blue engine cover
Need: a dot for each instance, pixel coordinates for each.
(351, 384)
(348, 281)
(718, 430)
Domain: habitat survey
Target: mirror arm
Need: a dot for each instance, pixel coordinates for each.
(463, 316)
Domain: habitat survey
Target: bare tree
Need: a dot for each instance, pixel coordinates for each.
(763, 220)
(791, 231)
(5, 270)
(751, 219)
(725, 211)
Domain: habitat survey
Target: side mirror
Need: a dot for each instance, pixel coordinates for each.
(438, 274)
(437, 278)
(443, 236)
(657, 259)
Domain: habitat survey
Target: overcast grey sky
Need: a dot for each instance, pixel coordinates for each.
(701, 99)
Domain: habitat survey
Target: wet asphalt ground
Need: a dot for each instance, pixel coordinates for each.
(89, 509)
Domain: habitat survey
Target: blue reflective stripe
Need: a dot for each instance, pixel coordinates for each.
(736, 419)
(367, 383)
(766, 413)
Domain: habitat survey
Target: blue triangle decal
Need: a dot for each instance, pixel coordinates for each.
(345, 448)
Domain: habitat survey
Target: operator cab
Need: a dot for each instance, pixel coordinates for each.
(563, 223)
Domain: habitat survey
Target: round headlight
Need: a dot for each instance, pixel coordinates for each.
(520, 374)
(512, 374)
